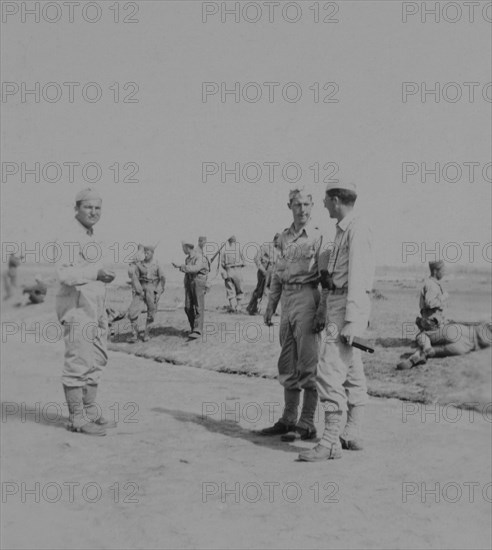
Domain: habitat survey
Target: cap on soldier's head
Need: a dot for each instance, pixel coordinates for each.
(345, 185)
(88, 194)
(202, 240)
(439, 264)
(149, 247)
(232, 239)
(188, 242)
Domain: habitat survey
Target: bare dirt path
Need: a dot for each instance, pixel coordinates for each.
(185, 470)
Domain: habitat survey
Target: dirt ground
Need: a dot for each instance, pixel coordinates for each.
(185, 469)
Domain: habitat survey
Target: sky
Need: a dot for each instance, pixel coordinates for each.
(157, 114)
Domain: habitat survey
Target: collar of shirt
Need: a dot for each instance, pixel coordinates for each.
(82, 227)
(308, 229)
(347, 220)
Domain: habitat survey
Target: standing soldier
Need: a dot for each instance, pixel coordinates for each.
(10, 276)
(196, 269)
(346, 287)
(295, 281)
(439, 337)
(148, 284)
(80, 305)
(265, 261)
(232, 264)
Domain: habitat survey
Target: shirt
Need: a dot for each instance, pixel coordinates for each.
(196, 263)
(351, 263)
(432, 296)
(148, 272)
(231, 256)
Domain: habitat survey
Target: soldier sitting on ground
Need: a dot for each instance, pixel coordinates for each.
(36, 293)
(439, 337)
(148, 283)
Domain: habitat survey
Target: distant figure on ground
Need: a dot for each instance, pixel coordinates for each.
(439, 337)
(265, 261)
(196, 269)
(232, 263)
(10, 276)
(148, 283)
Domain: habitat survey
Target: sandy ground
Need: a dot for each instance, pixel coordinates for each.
(184, 468)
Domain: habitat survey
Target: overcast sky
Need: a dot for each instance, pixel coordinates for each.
(171, 129)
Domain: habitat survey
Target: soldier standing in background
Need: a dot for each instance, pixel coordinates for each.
(10, 276)
(232, 263)
(148, 284)
(265, 261)
(196, 269)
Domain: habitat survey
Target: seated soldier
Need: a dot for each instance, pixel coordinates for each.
(439, 337)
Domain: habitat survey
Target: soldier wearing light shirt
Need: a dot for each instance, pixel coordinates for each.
(346, 286)
(80, 307)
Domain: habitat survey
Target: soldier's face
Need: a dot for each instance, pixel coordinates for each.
(330, 205)
(301, 207)
(148, 254)
(89, 212)
(440, 271)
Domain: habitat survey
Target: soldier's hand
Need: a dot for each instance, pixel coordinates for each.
(319, 321)
(267, 317)
(347, 333)
(175, 265)
(106, 275)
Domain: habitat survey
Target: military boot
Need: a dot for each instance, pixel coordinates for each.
(350, 438)
(92, 410)
(305, 427)
(134, 335)
(329, 446)
(78, 421)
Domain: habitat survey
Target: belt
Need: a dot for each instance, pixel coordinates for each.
(298, 286)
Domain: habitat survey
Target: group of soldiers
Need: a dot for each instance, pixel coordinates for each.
(324, 292)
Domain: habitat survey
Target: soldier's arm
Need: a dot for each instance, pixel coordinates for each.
(70, 269)
(133, 274)
(162, 278)
(360, 262)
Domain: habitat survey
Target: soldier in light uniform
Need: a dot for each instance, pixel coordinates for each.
(295, 283)
(148, 284)
(439, 337)
(346, 284)
(232, 263)
(265, 261)
(10, 276)
(196, 269)
(80, 307)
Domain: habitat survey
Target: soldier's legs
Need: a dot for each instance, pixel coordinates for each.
(133, 313)
(200, 290)
(189, 305)
(287, 369)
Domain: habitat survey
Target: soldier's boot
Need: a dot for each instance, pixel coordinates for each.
(288, 421)
(232, 305)
(78, 422)
(92, 410)
(134, 333)
(305, 427)
(146, 336)
(238, 304)
(350, 438)
(329, 446)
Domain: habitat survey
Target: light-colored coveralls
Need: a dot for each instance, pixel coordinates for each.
(80, 306)
(196, 269)
(295, 283)
(340, 379)
(232, 264)
(440, 337)
(149, 276)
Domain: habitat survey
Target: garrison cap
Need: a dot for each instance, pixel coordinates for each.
(88, 194)
(436, 265)
(188, 242)
(345, 185)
